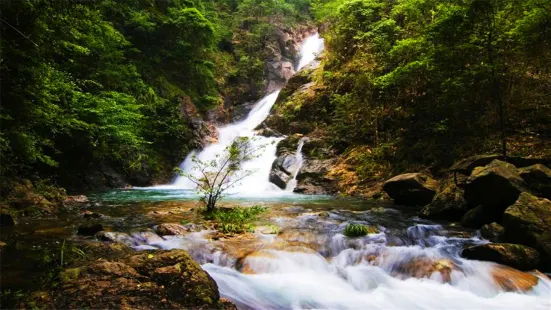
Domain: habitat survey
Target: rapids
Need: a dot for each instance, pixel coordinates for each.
(409, 264)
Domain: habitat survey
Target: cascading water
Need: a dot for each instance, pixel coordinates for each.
(258, 182)
(310, 264)
(300, 161)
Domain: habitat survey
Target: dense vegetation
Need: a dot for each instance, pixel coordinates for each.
(93, 86)
(420, 83)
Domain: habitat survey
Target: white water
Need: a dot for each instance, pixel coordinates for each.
(335, 272)
(258, 183)
(300, 161)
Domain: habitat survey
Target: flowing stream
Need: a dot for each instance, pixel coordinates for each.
(405, 263)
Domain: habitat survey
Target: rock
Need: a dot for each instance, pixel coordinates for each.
(268, 230)
(467, 165)
(513, 255)
(116, 237)
(89, 229)
(538, 177)
(493, 232)
(152, 280)
(313, 177)
(510, 279)
(279, 178)
(448, 204)
(411, 189)
(76, 199)
(6, 219)
(91, 215)
(528, 222)
(171, 229)
(495, 186)
(287, 163)
(422, 267)
(479, 216)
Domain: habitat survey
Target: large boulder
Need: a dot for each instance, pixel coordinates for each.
(528, 222)
(152, 280)
(514, 255)
(538, 177)
(467, 165)
(287, 163)
(493, 232)
(495, 186)
(411, 189)
(448, 204)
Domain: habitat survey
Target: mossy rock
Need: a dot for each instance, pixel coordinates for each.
(151, 280)
(411, 189)
(479, 216)
(493, 232)
(513, 255)
(538, 177)
(448, 204)
(528, 222)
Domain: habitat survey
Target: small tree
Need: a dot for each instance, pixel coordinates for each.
(217, 176)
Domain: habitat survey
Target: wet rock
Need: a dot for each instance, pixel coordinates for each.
(287, 163)
(268, 230)
(510, 279)
(495, 186)
(76, 199)
(479, 216)
(513, 255)
(116, 237)
(424, 268)
(538, 177)
(91, 215)
(171, 229)
(528, 222)
(279, 178)
(493, 232)
(411, 189)
(89, 229)
(448, 204)
(153, 280)
(6, 219)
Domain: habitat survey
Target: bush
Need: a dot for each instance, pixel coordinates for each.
(235, 220)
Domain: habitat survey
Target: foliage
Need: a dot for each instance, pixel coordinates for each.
(236, 219)
(357, 230)
(95, 84)
(426, 82)
(216, 177)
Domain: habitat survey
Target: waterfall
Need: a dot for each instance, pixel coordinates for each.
(300, 160)
(258, 182)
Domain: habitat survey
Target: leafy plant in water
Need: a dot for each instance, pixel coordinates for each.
(235, 220)
(357, 230)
